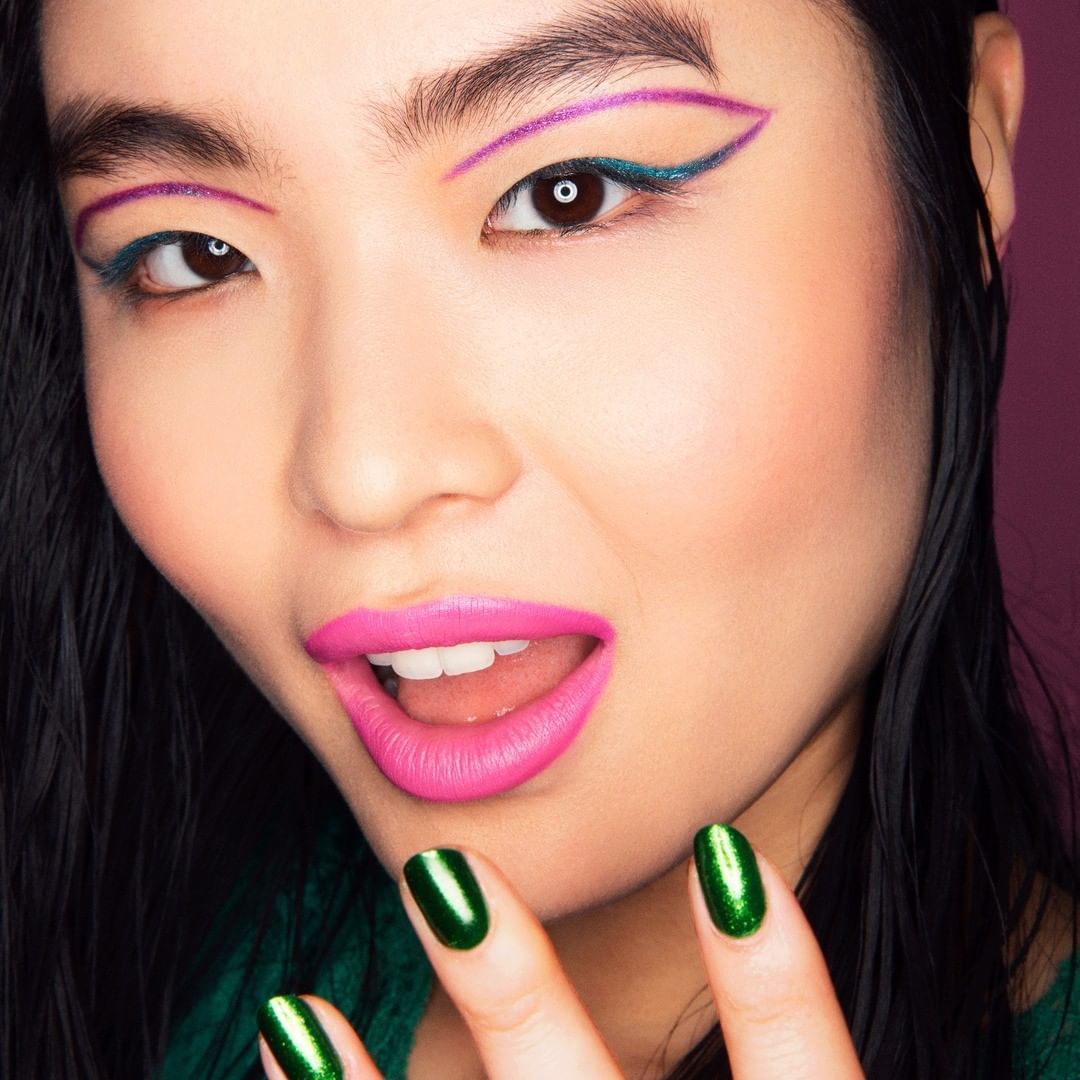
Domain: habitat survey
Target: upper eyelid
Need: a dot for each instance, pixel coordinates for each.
(658, 178)
(112, 272)
(564, 113)
(611, 168)
(123, 261)
(160, 190)
(614, 168)
(574, 111)
(632, 173)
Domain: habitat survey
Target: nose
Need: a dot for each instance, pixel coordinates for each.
(390, 428)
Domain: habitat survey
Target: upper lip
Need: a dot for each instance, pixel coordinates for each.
(450, 620)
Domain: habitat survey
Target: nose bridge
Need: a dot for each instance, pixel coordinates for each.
(386, 424)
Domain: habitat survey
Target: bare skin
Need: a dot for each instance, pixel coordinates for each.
(718, 407)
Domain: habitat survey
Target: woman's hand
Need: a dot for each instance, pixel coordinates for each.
(772, 992)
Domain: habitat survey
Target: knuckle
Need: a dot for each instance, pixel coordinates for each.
(767, 1009)
(521, 1013)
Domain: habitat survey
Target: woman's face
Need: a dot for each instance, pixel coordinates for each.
(705, 419)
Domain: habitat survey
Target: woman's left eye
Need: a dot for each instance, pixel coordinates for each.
(566, 198)
(172, 263)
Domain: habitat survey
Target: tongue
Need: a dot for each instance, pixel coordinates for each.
(510, 682)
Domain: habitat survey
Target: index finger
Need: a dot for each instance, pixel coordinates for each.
(773, 994)
(498, 966)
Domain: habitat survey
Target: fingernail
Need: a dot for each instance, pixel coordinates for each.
(730, 880)
(297, 1040)
(446, 892)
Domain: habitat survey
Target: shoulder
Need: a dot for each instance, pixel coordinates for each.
(1046, 998)
(1053, 945)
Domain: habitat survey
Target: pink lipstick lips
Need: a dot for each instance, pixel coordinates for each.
(457, 762)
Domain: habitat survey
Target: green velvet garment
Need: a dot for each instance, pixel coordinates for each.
(1058, 1011)
(404, 974)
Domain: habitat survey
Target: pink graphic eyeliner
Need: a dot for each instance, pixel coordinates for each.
(146, 191)
(566, 113)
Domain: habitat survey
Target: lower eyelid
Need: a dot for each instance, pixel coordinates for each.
(649, 208)
(133, 296)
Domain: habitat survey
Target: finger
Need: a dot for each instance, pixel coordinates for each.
(306, 1038)
(775, 1000)
(498, 966)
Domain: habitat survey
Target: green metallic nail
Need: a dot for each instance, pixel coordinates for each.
(297, 1040)
(729, 879)
(446, 892)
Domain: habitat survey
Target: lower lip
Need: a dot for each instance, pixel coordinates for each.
(458, 762)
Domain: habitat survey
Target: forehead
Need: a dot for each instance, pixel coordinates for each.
(297, 64)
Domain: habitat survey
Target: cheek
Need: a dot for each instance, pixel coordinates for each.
(708, 414)
(188, 447)
(753, 436)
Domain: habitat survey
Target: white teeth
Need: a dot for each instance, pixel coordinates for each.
(446, 659)
(417, 663)
(472, 656)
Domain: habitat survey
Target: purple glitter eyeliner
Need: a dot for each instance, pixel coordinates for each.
(146, 191)
(566, 113)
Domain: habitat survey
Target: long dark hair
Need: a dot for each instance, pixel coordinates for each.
(140, 771)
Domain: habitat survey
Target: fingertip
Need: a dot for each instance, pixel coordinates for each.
(297, 1040)
(355, 1060)
(769, 980)
(508, 986)
(269, 1064)
(443, 895)
(729, 881)
(304, 1037)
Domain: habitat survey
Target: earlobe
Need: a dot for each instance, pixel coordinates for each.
(997, 99)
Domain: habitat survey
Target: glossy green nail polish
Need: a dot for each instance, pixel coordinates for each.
(297, 1040)
(446, 892)
(730, 880)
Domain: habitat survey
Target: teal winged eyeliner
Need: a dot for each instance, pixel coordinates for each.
(675, 173)
(116, 269)
(567, 113)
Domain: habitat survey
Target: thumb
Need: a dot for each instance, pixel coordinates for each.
(306, 1038)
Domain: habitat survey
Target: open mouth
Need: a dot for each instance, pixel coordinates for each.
(478, 681)
(472, 719)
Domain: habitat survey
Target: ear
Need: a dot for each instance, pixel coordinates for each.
(997, 99)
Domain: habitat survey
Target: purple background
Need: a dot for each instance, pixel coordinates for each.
(1037, 521)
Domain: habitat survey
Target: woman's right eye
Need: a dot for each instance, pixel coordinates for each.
(192, 262)
(172, 263)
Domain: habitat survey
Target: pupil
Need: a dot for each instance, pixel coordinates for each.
(210, 257)
(569, 200)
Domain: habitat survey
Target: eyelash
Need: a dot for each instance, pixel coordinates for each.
(115, 275)
(629, 175)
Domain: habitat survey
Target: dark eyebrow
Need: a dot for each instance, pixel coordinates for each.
(585, 47)
(101, 136)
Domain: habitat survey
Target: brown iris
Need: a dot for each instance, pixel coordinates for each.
(211, 258)
(569, 200)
